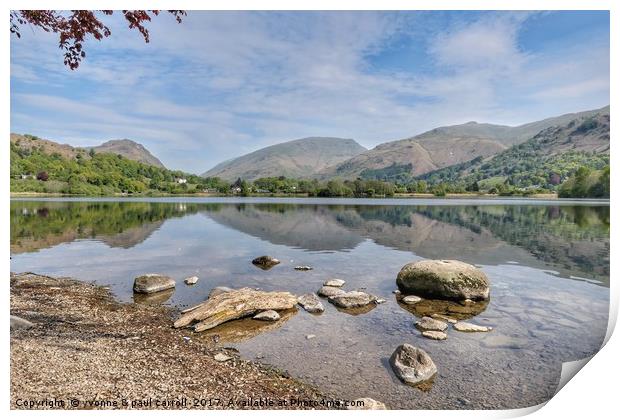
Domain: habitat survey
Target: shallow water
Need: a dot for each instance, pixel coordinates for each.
(548, 263)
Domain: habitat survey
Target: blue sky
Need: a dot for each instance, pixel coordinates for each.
(222, 84)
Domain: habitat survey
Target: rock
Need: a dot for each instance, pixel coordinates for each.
(234, 305)
(366, 404)
(443, 279)
(269, 315)
(219, 290)
(191, 280)
(329, 291)
(444, 318)
(303, 268)
(265, 262)
(221, 357)
(411, 300)
(396, 292)
(379, 301)
(352, 299)
(412, 365)
(469, 327)
(18, 323)
(310, 336)
(311, 303)
(435, 335)
(334, 283)
(151, 283)
(430, 324)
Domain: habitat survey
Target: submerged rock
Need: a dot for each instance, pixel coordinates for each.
(435, 335)
(311, 303)
(469, 327)
(367, 404)
(334, 283)
(443, 279)
(232, 305)
(269, 315)
(412, 365)
(219, 290)
(265, 262)
(303, 268)
(329, 291)
(18, 323)
(152, 283)
(411, 300)
(352, 299)
(191, 280)
(430, 324)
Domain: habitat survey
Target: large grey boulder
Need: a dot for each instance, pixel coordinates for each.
(152, 283)
(354, 299)
(443, 279)
(311, 303)
(412, 365)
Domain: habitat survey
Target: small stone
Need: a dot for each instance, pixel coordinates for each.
(221, 357)
(265, 262)
(396, 292)
(269, 315)
(379, 301)
(329, 291)
(18, 323)
(310, 336)
(430, 324)
(435, 335)
(444, 318)
(469, 327)
(334, 283)
(187, 339)
(353, 299)
(191, 280)
(303, 268)
(152, 283)
(411, 300)
(311, 303)
(366, 404)
(412, 365)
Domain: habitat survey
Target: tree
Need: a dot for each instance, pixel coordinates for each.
(42, 176)
(74, 29)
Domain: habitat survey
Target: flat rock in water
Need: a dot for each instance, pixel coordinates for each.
(443, 279)
(311, 303)
(353, 299)
(219, 290)
(221, 357)
(152, 283)
(435, 335)
(329, 291)
(430, 324)
(412, 365)
(469, 327)
(366, 404)
(191, 280)
(444, 318)
(269, 315)
(303, 268)
(265, 262)
(235, 304)
(334, 283)
(411, 300)
(18, 323)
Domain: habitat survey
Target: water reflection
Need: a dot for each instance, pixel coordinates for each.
(574, 240)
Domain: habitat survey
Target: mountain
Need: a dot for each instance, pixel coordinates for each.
(547, 159)
(126, 148)
(442, 147)
(129, 149)
(301, 158)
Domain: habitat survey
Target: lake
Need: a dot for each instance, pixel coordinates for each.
(547, 261)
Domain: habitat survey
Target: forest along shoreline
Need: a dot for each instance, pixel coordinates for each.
(94, 352)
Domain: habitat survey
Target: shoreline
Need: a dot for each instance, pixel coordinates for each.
(86, 346)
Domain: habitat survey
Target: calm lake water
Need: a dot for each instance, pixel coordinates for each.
(548, 263)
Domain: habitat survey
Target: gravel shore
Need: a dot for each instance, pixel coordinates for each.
(87, 350)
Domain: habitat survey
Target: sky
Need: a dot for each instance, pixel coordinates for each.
(222, 84)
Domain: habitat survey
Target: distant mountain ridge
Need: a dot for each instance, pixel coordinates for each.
(445, 146)
(301, 158)
(125, 147)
